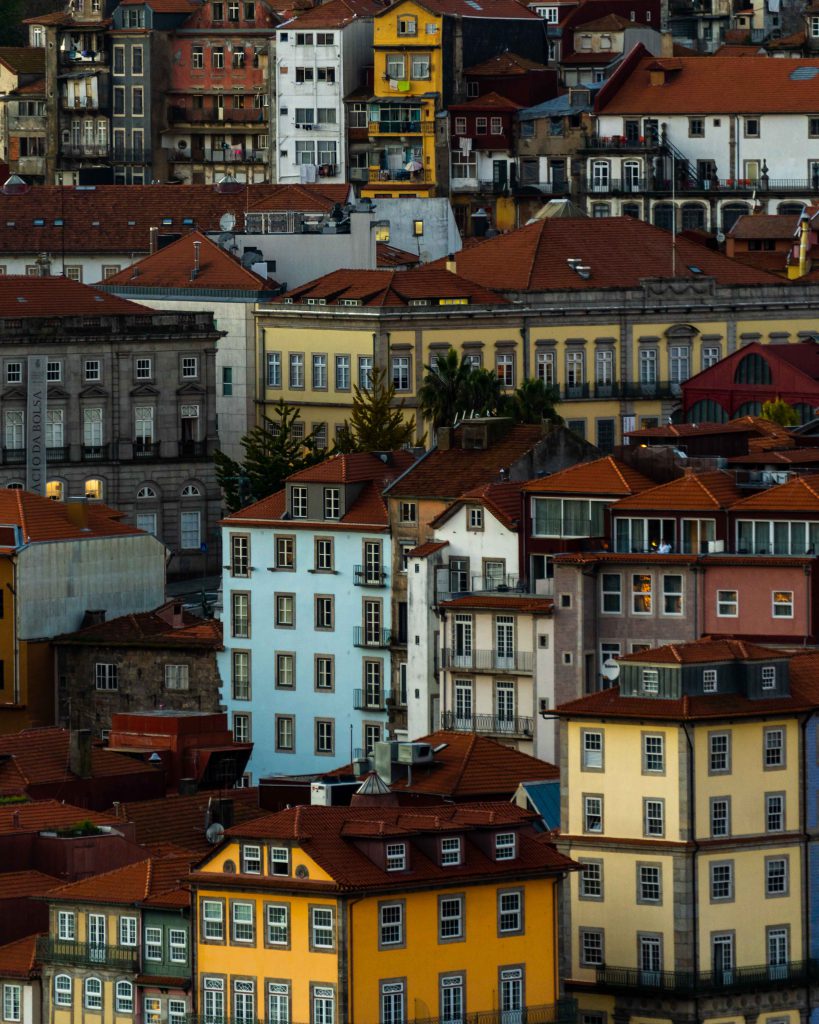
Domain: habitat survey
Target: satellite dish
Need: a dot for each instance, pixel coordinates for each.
(720, 236)
(214, 833)
(611, 670)
(227, 222)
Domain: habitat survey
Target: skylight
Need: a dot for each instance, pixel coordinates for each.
(803, 74)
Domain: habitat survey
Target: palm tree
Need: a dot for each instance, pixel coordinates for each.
(484, 396)
(534, 402)
(443, 395)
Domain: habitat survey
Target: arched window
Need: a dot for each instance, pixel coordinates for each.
(749, 409)
(600, 176)
(601, 209)
(632, 177)
(191, 491)
(15, 485)
(805, 412)
(55, 489)
(790, 208)
(125, 997)
(93, 994)
(94, 489)
(663, 216)
(62, 990)
(146, 492)
(632, 210)
(752, 369)
(706, 411)
(693, 217)
(731, 213)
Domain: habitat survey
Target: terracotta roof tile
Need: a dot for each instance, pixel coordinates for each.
(505, 9)
(164, 6)
(489, 101)
(37, 87)
(325, 834)
(502, 499)
(703, 652)
(716, 85)
(150, 629)
(448, 474)
(25, 60)
(336, 14)
(798, 495)
(608, 23)
(620, 251)
(348, 469)
(742, 425)
(427, 549)
(38, 815)
(503, 66)
(19, 959)
(388, 256)
(41, 519)
(693, 491)
(17, 884)
(607, 476)
(130, 884)
(391, 288)
(171, 268)
(765, 225)
(791, 457)
(503, 602)
(22, 297)
(269, 509)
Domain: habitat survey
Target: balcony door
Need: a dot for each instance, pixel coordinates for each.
(722, 958)
(651, 959)
(505, 641)
(462, 653)
(463, 705)
(511, 996)
(96, 937)
(505, 706)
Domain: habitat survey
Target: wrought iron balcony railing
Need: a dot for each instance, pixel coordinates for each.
(488, 661)
(86, 954)
(488, 725)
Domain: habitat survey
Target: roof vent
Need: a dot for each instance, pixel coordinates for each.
(803, 74)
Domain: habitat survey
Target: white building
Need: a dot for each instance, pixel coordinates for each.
(320, 57)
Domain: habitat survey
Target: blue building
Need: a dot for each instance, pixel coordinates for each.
(307, 626)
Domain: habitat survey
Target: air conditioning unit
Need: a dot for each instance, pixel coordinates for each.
(414, 753)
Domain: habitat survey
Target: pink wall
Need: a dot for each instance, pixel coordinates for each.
(755, 585)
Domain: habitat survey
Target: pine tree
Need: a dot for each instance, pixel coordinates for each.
(376, 424)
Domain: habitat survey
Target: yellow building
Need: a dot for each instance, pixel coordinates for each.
(685, 808)
(602, 310)
(375, 914)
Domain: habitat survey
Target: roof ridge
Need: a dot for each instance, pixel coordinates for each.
(470, 749)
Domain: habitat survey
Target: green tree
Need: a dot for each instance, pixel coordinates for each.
(272, 453)
(533, 402)
(443, 394)
(777, 410)
(376, 424)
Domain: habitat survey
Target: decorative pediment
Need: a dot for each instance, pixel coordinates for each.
(56, 391)
(94, 391)
(10, 394)
(145, 391)
(191, 389)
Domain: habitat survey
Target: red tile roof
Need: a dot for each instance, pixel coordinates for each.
(130, 884)
(607, 476)
(41, 519)
(387, 256)
(353, 468)
(428, 548)
(15, 885)
(150, 629)
(19, 959)
(501, 499)
(22, 297)
(693, 491)
(705, 651)
(489, 101)
(164, 6)
(798, 495)
(36, 87)
(391, 288)
(40, 756)
(171, 269)
(336, 14)
(181, 820)
(765, 225)
(503, 66)
(742, 425)
(791, 457)
(39, 815)
(66, 18)
(118, 218)
(448, 474)
(25, 60)
(502, 602)
(619, 251)
(502, 9)
(266, 510)
(608, 23)
(714, 85)
(327, 835)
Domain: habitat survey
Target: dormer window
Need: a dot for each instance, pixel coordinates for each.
(451, 851)
(505, 846)
(298, 502)
(279, 860)
(650, 680)
(476, 519)
(251, 860)
(709, 680)
(768, 677)
(332, 503)
(396, 856)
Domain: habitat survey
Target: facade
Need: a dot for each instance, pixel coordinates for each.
(130, 416)
(451, 915)
(319, 59)
(164, 658)
(312, 564)
(22, 110)
(715, 738)
(20, 981)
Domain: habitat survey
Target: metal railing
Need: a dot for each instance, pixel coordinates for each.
(490, 725)
(61, 454)
(14, 456)
(86, 954)
(85, 151)
(94, 452)
(404, 177)
(621, 142)
(193, 449)
(212, 114)
(735, 979)
(365, 636)
(363, 701)
(489, 661)
(393, 127)
(146, 449)
(564, 1011)
(369, 576)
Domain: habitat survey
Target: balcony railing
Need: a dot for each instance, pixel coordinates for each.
(369, 576)
(753, 979)
(61, 454)
(363, 701)
(211, 114)
(127, 155)
(77, 151)
(621, 143)
(94, 452)
(193, 449)
(14, 456)
(146, 449)
(85, 954)
(562, 1012)
(381, 176)
(489, 725)
(398, 127)
(370, 637)
(489, 661)
(575, 390)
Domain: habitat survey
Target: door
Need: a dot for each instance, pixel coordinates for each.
(558, 175)
(777, 953)
(372, 562)
(631, 176)
(505, 641)
(96, 937)
(462, 653)
(243, 1002)
(511, 997)
(463, 705)
(650, 960)
(500, 170)
(505, 706)
(600, 176)
(722, 955)
(452, 1000)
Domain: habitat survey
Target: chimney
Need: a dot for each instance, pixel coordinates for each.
(79, 753)
(197, 247)
(15, 819)
(451, 264)
(666, 45)
(77, 511)
(178, 618)
(444, 438)
(154, 240)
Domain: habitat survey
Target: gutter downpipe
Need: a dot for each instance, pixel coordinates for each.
(692, 821)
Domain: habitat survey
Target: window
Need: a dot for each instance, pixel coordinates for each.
(62, 990)
(322, 928)
(107, 676)
(727, 603)
(143, 369)
(251, 860)
(407, 26)
(325, 736)
(776, 876)
(296, 364)
(127, 931)
(320, 372)
(480, 125)
(610, 593)
(324, 554)
(653, 753)
(153, 943)
(274, 369)
(242, 922)
(298, 502)
(696, 127)
(783, 604)
(239, 555)
(505, 369)
(709, 680)
(332, 503)
(286, 552)
(672, 595)
(649, 883)
(66, 926)
(365, 372)
(177, 1011)
(396, 66)
(653, 817)
(178, 945)
(774, 746)
(641, 594)
(391, 924)
(285, 733)
(189, 531)
(279, 860)
(719, 753)
(240, 615)
(710, 355)
(450, 851)
(324, 612)
(591, 880)
(593, 814)
(407, 512)
(722, 880)
(545, 368)
(751, 127)
(93, 994)
(591, 947)
(278, 925)
(774, 812)
(11, 1002)
(592, 750)
(510, 911)
(285, 610)
(324, 672)
(720, 817)
(401, 373)
(650, 680)
(396, 855)
(505, 846)
(190, 367)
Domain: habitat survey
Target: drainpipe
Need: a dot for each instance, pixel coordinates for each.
(806, 879)
(345, 977)
(695, 850)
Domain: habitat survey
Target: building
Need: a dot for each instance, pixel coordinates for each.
(162, 659)
(714, 738)
(22, 110)
(130, 415)
(452, 913)
(319, 56)
(20, 980)
(22, 911)
(667, 147)
(599, 44)
(308, 616)
(563, 18)
(421, 50)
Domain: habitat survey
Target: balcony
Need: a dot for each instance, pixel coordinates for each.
(216, 115)
(620, 143)
(488, 661)
(57, 454)
(146, 449)
(234, 155)
(76, 104)
(694, 983)
(575, 391)
(399, 127)
(489, 725)
(34, 165)
(94, 452)
(502, 584)
(121, 155)
(14, 456)
(84, 954)
(369, 576)
(193, 449)
(562, 1012)
(382, 176)
(363, 701)
(76, 151)
(371, 636)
